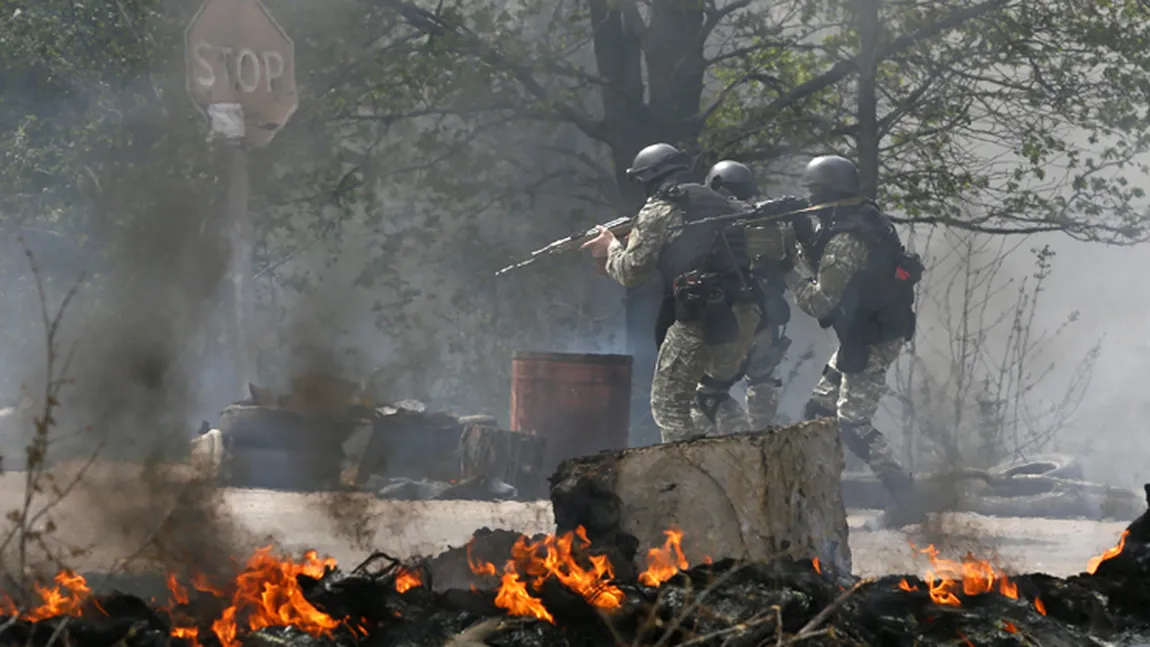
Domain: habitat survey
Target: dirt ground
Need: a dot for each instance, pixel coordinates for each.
(115, 519)
(1053, 546)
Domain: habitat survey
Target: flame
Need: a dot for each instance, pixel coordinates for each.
(190, 634)
(179, 594)
(815, 563)
(513, 597)
(907, 586)
(946, 578)
(477, 566)
(407, 580)
(58, 603)
(1110, 553)
(268, 592)
(663, 563)
(1039, 606)
(534, 562)
(1010, 628)
(201, 583)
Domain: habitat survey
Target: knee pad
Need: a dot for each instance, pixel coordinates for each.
(815, 409)
(710, 401)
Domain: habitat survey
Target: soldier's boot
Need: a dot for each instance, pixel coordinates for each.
(870, 445)
(714, 401)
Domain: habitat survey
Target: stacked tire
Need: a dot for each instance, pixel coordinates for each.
(275, 449)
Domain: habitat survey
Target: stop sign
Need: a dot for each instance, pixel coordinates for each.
(237, 53)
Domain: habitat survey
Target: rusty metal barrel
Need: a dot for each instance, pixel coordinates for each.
(579, 403)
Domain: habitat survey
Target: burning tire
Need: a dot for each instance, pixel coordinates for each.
(273, 428)
(282, 469)
(282, 450)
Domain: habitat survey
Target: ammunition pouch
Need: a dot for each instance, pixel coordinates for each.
(707, 298)
(694, 292)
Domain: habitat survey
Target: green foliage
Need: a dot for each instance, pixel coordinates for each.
(447, 139)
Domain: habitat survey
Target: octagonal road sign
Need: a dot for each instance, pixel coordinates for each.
(237, 53)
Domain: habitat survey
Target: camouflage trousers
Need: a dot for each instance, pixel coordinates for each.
(763, 385)
(684, 359)
(768, 348)
(854, 399)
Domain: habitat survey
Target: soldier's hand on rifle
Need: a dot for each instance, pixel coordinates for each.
(599, 244)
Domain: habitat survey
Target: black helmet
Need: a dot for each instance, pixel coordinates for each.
(734, 178)
(831, 177)
(656, 162)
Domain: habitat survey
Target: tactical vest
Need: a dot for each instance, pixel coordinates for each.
(878, 305)
(717, 248)
(766, 248)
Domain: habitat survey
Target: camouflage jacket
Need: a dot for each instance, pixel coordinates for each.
(634, 263)
(844, 256)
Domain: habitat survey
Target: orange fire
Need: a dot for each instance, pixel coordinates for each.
(268, 595)
(1039, 606)
(663, 563)
(815, 563)
(1110, 553)
(550, 558)
(407, 580)
(946, 578)
(264, 594)
(57, 602)
(907, 586)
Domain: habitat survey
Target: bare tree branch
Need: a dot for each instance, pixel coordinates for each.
(469, 41)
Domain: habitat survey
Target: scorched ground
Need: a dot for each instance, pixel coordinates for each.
(556, 590)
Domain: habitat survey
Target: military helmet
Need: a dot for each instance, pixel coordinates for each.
(655, 162)
(831, 175)
(734, 178)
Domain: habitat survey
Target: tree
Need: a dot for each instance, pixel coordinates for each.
(487, 126)
(765, 84)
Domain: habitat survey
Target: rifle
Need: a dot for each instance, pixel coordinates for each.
(767, 211)
(618, 226)
(771, 211)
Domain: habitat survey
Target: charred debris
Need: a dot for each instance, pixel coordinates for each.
(550, 590)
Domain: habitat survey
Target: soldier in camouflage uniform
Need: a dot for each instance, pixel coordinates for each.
(705, 276)
(768, 246)
(863, 288)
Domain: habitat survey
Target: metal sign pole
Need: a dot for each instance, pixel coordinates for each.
(241, 73)
(227, 121)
